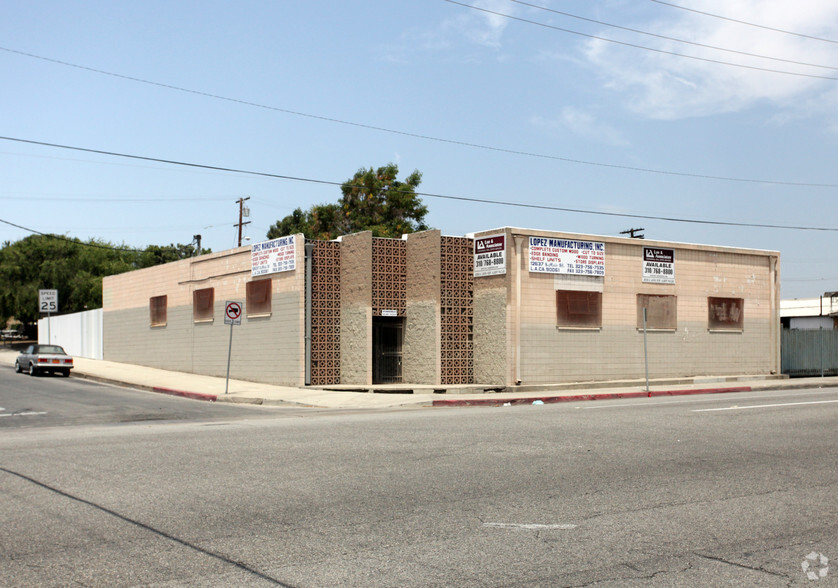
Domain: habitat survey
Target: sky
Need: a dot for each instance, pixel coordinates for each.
(699, 121)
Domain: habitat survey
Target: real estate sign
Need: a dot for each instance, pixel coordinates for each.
(564, 256)
(271, 257)
(658, 265)
(489, 256)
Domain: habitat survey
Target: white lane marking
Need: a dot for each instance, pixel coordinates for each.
(708, 398)
(765, 405)
(31, 413)
(528, 526)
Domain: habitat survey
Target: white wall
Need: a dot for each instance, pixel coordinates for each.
(811, 322)
(80, 334)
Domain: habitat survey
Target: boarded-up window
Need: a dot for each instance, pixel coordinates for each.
(661, 311)
(578, 309)
(726, 314)
(157, 310)
(202, 303)
(259, 298)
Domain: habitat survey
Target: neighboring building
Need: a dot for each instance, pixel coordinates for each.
(809, 343)
(498, 308)
(810, 313)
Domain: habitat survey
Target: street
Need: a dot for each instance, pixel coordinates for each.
(728, 489)
(45, 401)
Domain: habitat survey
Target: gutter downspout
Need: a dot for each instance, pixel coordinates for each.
(775, 302)
(518, 243)
(309, 247)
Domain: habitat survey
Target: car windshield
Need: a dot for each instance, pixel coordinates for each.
(51, 349)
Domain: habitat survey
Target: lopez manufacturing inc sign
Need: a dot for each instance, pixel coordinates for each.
(565, 256)
(271, 257)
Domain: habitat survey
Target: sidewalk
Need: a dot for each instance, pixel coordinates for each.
(213, 389)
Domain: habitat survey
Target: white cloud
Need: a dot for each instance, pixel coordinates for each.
(480, 27)
(663, 86)
(584, 125)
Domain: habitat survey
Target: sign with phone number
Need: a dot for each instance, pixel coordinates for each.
(271, 257)
(658, 265)
(563, 256)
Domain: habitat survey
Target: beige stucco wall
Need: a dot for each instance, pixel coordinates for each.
(356, 309)
(421, 346)
(538, 352)
(265, 349)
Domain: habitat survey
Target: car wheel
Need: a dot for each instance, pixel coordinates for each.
(17, 367)
(32, 370)
(65, 373)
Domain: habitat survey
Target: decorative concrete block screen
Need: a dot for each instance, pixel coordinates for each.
(389, 276)
(325, 313)
(457, 310)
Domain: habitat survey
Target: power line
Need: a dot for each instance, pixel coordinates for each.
(427, 194)
(110, 199)
(491, 148)
(635, 46)
(746, 23)
(69, 240)
(666, 38)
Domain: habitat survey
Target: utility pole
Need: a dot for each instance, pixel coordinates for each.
(244, 212)
(631, 233)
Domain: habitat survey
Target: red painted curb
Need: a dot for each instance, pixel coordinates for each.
(580, 397)
(184, 394)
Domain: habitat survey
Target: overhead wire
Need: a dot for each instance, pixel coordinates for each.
(69, 240)
(425, 137)
(426, 194)
(744, 22)
(667, 38)
(636, 46)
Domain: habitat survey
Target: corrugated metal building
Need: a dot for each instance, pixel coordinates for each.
(494, 309)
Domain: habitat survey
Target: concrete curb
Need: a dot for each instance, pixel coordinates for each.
(184, 394)
(581, 397)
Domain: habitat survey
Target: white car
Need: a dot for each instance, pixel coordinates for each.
(44, 358)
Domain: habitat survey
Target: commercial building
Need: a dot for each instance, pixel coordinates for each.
(495, 309)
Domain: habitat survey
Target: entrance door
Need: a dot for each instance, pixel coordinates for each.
(387, 350)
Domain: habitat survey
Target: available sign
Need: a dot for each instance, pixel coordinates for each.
(563, 256)
(658, 265)
(490, 256)
(271, 257)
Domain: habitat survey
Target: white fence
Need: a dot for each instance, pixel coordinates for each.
(80, 334)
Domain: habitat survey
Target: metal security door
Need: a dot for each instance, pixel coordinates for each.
(387, 350)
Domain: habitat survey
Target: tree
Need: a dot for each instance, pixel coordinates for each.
(72, 267)
(156, 255)
(372, 200)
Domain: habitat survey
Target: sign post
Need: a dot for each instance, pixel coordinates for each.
(232, 316)
(48, 303)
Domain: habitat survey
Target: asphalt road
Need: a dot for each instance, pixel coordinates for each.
(45, 401)
(719, 490)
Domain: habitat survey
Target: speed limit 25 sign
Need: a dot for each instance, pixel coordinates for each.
(48, 300)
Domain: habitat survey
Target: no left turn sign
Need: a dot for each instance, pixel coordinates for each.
(232, 313)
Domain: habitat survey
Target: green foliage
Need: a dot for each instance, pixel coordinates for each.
(319, 222)
(156, 255)
(372, 200)
(72, 267)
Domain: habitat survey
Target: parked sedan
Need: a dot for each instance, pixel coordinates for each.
(44, 358)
